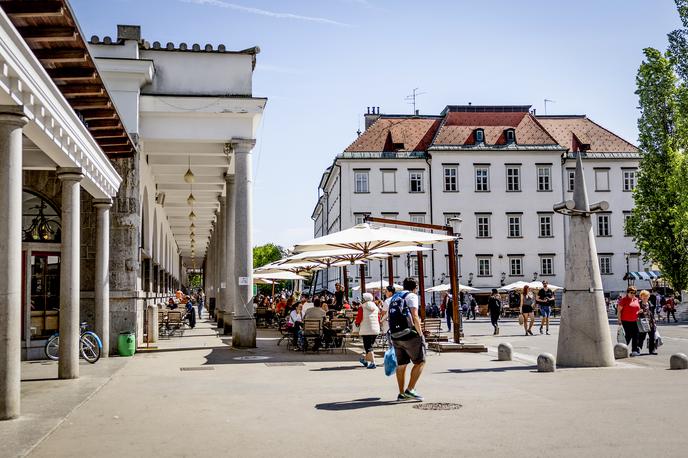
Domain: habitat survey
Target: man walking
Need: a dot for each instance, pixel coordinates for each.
(545, 299)
(449, 310)
(494, 307)
(407, 338)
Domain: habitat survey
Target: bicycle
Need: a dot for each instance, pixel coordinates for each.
(90, 345)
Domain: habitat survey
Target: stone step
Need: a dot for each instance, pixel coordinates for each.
(454, 347)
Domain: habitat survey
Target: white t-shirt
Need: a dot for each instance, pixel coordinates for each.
(412, 300)
(294, 316)
(384, 323)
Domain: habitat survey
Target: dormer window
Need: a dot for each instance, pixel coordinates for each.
(479, 136)
(510, 135)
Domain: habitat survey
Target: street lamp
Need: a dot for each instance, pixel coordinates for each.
(470, 279)
(455, 223)
(503, 278)
(535, 274)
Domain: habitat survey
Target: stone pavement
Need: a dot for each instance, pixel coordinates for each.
(196, 396)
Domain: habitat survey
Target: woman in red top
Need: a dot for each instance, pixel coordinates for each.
(628, 310)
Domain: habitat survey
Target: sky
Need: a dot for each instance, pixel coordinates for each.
(322, 62)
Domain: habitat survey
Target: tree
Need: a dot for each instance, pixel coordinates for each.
(265, 254)
(659, 221)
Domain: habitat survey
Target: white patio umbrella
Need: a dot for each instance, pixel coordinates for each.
(443, 288)
(376, 285)
(366, 238)
(277, 276)
(517, 285)
(538, 285)
(262, 281)
(347, 256)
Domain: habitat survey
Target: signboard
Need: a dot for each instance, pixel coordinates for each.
(243, 281)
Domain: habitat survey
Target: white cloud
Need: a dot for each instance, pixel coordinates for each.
(261, 12)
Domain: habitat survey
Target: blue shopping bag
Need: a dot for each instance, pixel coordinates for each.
(390, 361)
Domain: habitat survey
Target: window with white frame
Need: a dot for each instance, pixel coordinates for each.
(513, 178)
(604, 225)
(417, 218)
(605, 264)
(601, 179)
(416, 181)
(515, 266)
(482, 178)
(483, 225)
(451, 178)
(629, 180)
(546, 265)
(484, 267)
(389, 181)
(359, 218)
(366, 268)
(413, 266)
(544, 177)
(514, 223)
(361, 181)
(626, 216)
(545, 224)
(571, 179)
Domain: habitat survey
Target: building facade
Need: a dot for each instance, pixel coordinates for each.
(500, 169)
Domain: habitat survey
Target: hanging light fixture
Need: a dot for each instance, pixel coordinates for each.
(192, 216)
(189, 176)
(191, 199)
(192, 227)
(192, 234)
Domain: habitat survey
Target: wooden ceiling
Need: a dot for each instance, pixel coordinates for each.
(50, 30)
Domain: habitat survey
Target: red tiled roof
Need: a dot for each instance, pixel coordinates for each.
(458, 128)
(572, 131)
(396, 134)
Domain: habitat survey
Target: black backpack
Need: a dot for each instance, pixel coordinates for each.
(400, 319)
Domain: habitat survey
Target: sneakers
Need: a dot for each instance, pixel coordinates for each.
(412, 394)
(635, 353)
(371, 366)
(548, 332)
(497, 331)
(363, 362)
(529, 332)
(402, 397)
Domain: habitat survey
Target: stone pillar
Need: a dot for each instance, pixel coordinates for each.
(229, 279)
(12, 121)
(221, 265)
(209, 287)
(244, 326)
(102, 288)
(68, 366)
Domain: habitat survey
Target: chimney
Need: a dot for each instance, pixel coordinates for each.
(128, 32)
(371, 116)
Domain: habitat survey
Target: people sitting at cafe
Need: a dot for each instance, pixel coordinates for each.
(296, 319)
(172, 304)
(281, 306)
(316, 312)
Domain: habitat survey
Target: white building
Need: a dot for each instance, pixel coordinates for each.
(499, 168)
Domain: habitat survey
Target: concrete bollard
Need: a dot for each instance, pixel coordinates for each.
(505, 352)
(678, 361)
(621, 351)
(545, 363)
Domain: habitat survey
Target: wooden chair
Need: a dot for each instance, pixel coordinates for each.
(340, 328)
(312, 331)
(432, 329)
(175, 321)
(261, 316)
(163, 329)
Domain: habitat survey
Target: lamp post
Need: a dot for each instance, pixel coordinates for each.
(455, 224)
(535, 274)
(470, 279)
(502, 279)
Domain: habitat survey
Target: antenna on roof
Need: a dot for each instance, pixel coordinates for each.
(550, 101)
(412, 97)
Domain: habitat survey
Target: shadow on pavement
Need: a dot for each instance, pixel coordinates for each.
(532, 368)
(355, 404)
(338, 368)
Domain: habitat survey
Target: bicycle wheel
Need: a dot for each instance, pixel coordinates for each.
(52, 348)
(89, 347)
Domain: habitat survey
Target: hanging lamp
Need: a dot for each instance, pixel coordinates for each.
(189, 176)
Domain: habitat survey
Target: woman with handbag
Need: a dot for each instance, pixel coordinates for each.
(527, 300)
(646, 322)
(629, 307)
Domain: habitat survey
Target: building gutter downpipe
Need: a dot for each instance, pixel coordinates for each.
(428, 159)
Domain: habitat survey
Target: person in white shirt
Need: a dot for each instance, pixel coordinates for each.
(384, 321)
(296, 319)
(305, 304)
(369, 330)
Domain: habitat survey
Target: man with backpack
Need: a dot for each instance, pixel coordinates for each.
(407, 338)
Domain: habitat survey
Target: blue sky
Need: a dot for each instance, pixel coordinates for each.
(324, 61)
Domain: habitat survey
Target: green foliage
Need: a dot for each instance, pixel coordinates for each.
(659, 221)
(195, 281)
(265, 254)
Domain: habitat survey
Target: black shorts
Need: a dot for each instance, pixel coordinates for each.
(411, 350)
(368, 342)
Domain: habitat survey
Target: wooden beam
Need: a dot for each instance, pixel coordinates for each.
(109, 133)
(67, 74)
(78, 90)
(53, 33)
(113, 144)
(101, 124)
(61, 55)
(84, 103)
(89, 115)
(36, 8)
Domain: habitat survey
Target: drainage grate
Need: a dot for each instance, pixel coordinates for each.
(251, 358)
(197, 368)
(437, 406)
(288, 363)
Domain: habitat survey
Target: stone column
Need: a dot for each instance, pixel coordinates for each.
(229, 279)
(68, 366)
(12, 121)
(244, 326)
(103, 273)
(209, 286)
(221, 265)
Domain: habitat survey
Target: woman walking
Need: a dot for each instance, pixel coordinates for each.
(527, 310)
(629, 307)
(647, 313)
(494, 306)
(369, 329)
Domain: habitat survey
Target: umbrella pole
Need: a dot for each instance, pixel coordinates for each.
(421, 283)
(390, 269)
(273, 288)
(345, 273)
(454, 290)
(381, 287)
(363, 288)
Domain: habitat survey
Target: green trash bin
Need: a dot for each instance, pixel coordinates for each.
(126, 344)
